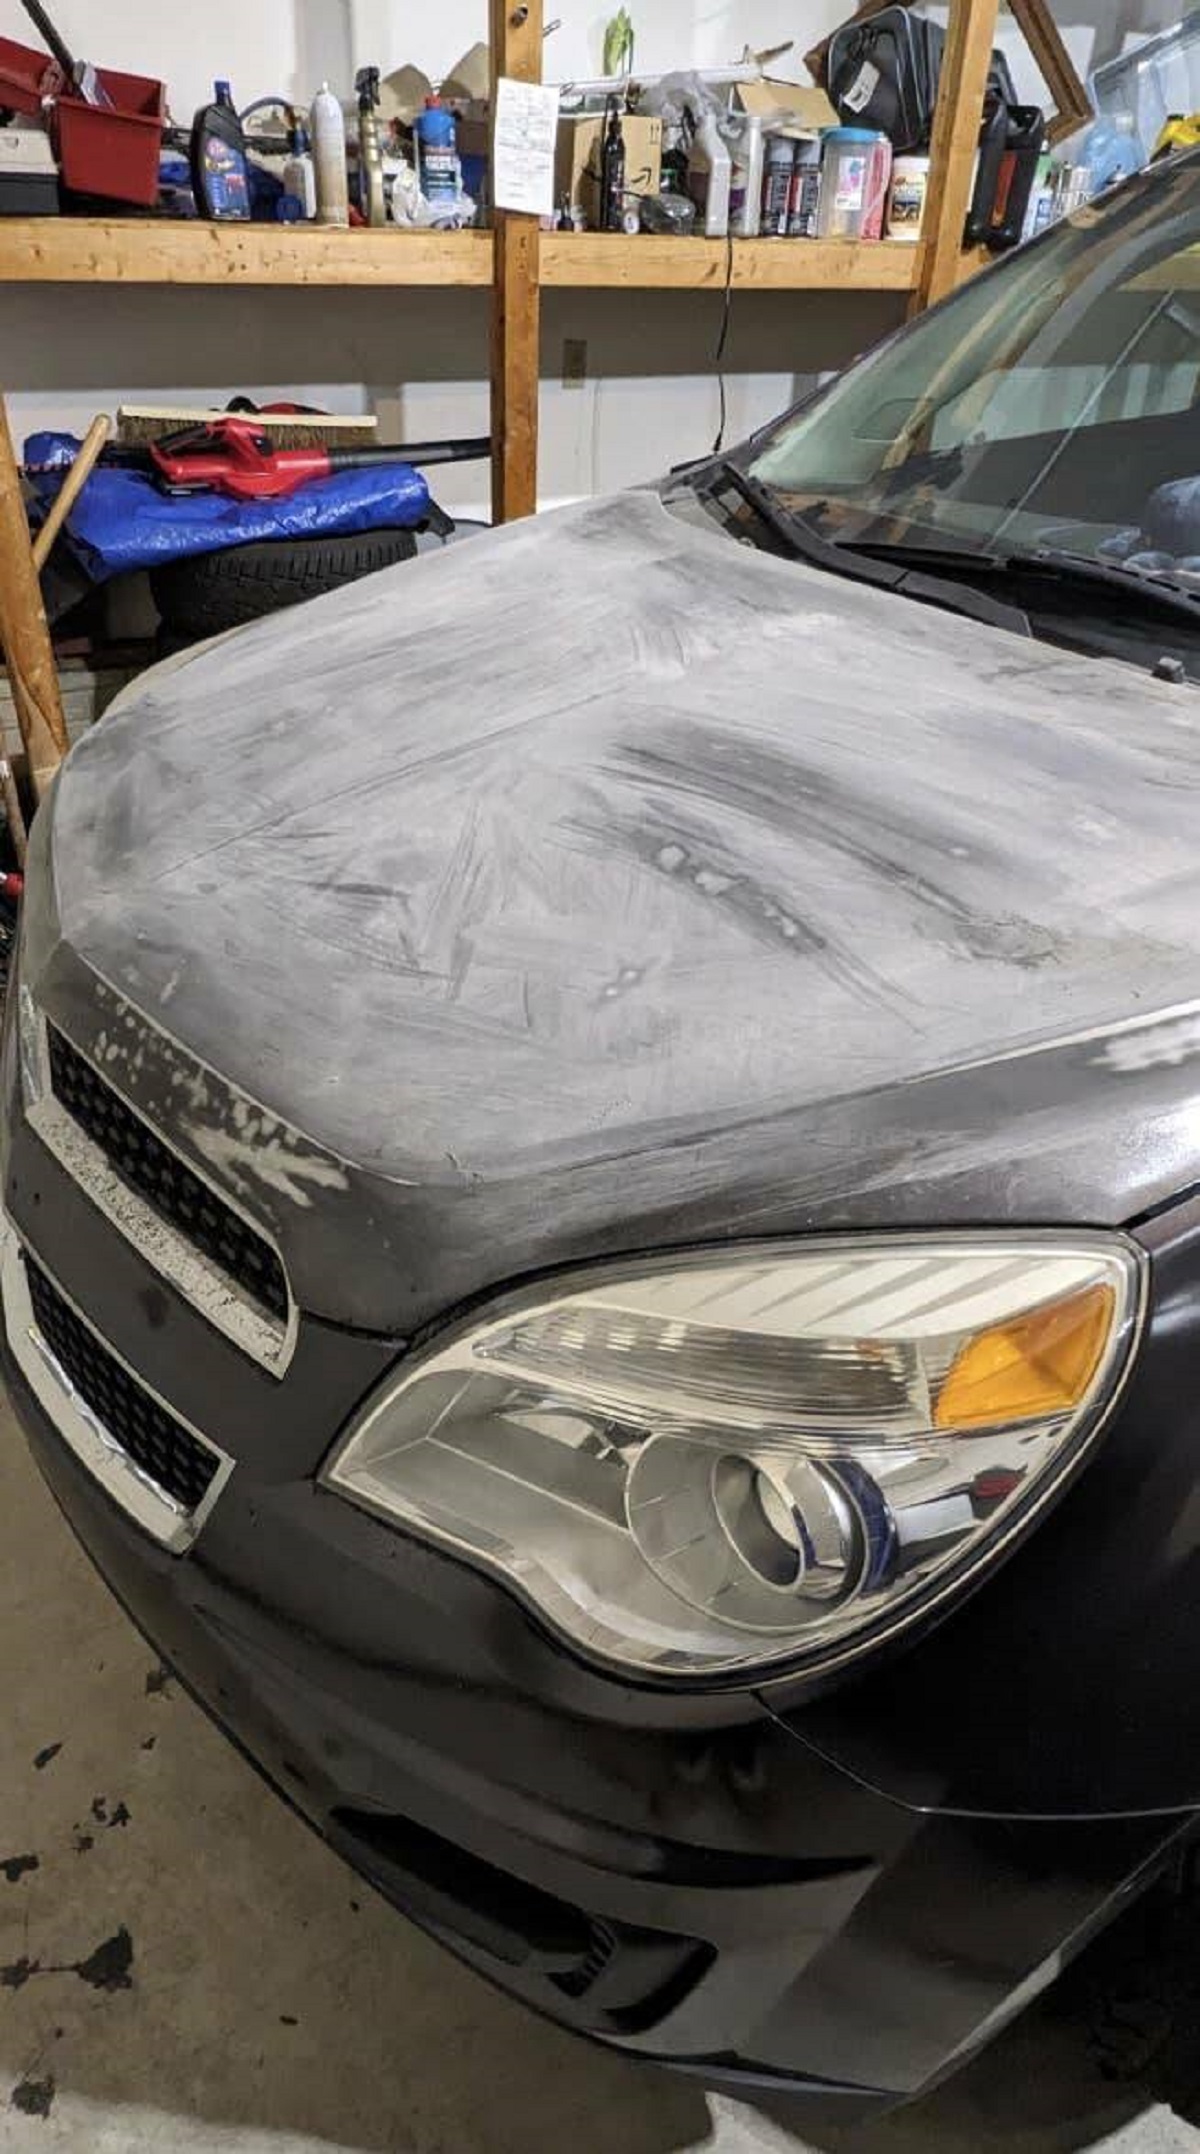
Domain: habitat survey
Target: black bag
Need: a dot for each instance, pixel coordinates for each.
(1010, 143)
(883, 74)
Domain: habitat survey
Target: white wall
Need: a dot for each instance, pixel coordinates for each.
(420, 358)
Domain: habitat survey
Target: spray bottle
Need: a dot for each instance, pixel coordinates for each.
(612, 171)
(371, 198)
(299, 173)
(329, 151)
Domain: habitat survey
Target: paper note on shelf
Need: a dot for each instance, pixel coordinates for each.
(523, 160)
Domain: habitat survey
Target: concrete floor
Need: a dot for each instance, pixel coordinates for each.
(183, 1966)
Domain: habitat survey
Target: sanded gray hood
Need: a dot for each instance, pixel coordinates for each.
(609, 848)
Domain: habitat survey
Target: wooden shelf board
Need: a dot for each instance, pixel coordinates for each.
(88, 250)
(606, 260)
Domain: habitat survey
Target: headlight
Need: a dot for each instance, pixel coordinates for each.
(712, 1464)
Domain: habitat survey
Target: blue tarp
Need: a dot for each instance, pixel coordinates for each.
(121, 520)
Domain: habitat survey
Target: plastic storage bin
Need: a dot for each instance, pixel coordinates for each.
(1141, 90)
(27, 78)
(114, 153)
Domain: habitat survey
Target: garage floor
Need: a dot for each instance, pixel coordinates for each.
(183, 1966)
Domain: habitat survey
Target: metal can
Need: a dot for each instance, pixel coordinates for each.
(805, 192)
(777, 186)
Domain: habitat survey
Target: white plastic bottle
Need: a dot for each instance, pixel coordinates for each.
(710, 177)
(329, 156)
(746, 180)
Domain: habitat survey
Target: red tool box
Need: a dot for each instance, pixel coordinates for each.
(111, 151)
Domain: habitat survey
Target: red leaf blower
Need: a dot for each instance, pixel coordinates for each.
(235, 456)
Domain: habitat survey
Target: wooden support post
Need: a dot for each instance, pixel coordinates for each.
(969, 39)
(24, 633)
(516, 39)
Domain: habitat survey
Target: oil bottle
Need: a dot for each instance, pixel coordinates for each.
(220, 179)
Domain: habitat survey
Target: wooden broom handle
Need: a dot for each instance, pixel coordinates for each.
(70, 490)
(23, 631)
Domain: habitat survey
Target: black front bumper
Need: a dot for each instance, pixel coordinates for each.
(682, 1876)
(684, 1879)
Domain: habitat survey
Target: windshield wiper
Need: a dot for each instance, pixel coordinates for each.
(908, 576)
(1149, 589)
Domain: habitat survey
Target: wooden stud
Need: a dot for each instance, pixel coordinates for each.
(1072, 105)
(970, 36)
(516, 35)
(24, 632)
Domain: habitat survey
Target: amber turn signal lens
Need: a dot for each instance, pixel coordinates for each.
(1031, 1367)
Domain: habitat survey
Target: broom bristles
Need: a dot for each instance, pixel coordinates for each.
(138, 423)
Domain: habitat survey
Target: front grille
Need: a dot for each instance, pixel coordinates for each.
(157, 1173)
(166, 1452)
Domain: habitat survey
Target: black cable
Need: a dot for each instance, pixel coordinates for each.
(723, 345)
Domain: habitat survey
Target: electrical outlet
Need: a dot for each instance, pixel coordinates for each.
(574, 362)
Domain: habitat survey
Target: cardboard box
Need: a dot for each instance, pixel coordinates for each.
(807, 110)
(577, 164)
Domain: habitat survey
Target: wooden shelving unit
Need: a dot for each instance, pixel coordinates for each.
(515, 262)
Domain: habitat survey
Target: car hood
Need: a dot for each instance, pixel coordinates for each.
(607, 882)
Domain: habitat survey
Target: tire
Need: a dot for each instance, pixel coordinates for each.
(216, 591)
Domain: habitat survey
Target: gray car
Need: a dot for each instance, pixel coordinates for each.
(601, 1164)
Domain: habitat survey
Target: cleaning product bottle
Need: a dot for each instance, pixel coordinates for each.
(299, 173)
(778, 170)
(612, 171)
(371, 198)
(437, 153)
(329, 150)
(220, 180)
(746, 180)
(710, 172)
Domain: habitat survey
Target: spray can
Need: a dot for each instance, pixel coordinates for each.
(329, 153)
(806, 190)
(220, 179)
(777, 186)
(746, 183)
(437, 151)
(299, 173)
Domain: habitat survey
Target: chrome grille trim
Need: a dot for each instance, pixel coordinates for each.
(157, 1512)
(200, 1280)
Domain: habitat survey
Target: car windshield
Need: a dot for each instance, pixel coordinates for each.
(1052, 405)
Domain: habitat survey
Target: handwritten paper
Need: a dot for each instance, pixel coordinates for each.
(523, 157)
